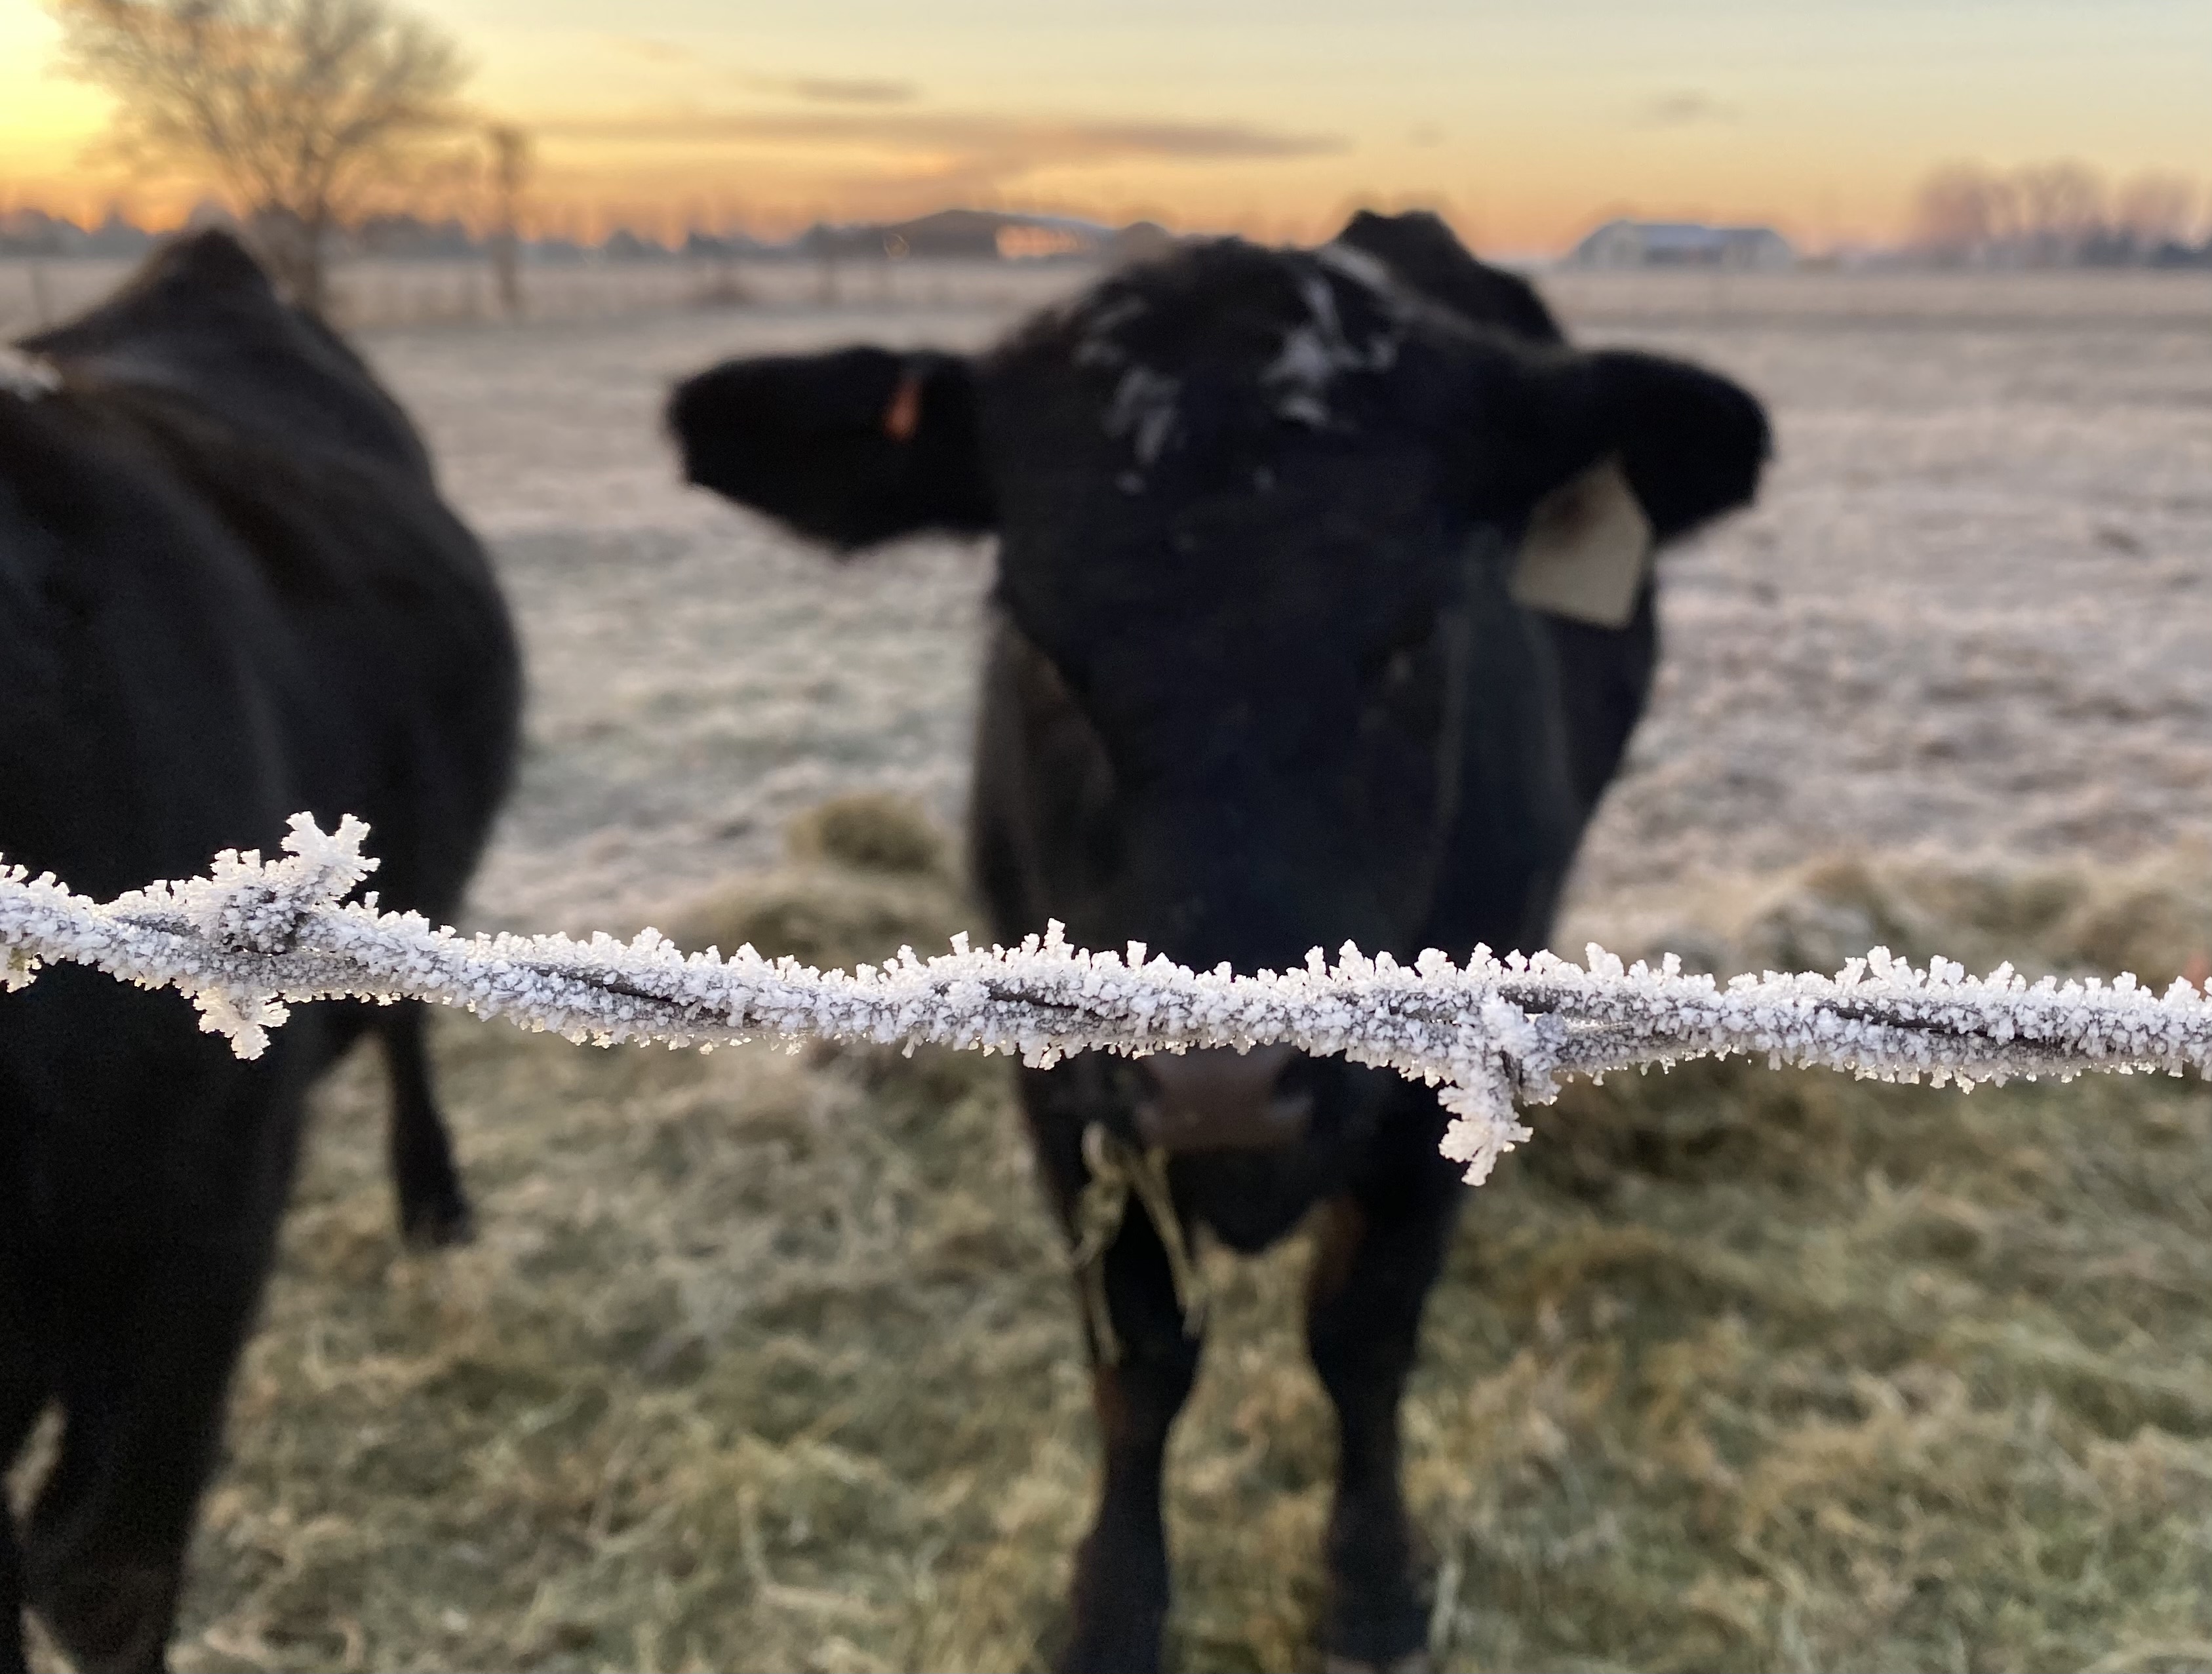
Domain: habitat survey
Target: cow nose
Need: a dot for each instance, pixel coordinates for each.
(1220, 1099)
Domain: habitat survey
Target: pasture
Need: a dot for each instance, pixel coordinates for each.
(770, 1361)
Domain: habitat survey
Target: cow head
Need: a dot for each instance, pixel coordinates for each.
(200, 320)
(1257, 513)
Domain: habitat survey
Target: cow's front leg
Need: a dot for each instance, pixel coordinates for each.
(1143, 1357)
(1379, 1249)
(1119, 1602)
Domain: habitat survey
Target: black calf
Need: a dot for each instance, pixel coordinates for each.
(1323, 612)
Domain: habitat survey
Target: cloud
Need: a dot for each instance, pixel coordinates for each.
(817, 89)
(839, 90)
(877, 163)
(975, 145)
(659, 51)
(1684, 108)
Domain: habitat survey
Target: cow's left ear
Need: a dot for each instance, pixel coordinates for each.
(1691, 442)
(847, 448)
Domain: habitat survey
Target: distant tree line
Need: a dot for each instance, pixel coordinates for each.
(34, 232)
(397, 234)
(485, 234)
(400, 234)
(2059, 214)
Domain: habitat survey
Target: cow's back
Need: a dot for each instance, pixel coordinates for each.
(142, 659)
(395, 662)
(201, 635)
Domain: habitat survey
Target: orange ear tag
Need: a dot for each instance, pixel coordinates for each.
(904, 414)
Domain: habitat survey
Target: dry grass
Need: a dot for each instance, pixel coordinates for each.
(2153, 917)
(767, 1361)
(865, 873)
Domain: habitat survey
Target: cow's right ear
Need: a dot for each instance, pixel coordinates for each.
(1691, 443)
(847, 448)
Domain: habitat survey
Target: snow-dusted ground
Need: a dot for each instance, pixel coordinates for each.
(1973, 610)
(696, 676)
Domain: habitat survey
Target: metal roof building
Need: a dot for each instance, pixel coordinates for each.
(1683, 244)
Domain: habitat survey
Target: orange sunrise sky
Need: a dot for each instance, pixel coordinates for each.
(1525, 122)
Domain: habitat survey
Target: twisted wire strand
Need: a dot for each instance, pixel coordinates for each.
(254, 937)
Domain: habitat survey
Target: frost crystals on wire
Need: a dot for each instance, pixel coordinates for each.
(1491, 1034)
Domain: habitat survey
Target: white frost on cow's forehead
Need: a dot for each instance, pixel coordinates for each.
(26, 376)
(1357, 265)
(1143, 406)
(1098, 322)
(1144, 410)
(1295, 384)
(1317, 350)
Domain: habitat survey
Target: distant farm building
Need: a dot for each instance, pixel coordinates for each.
(1683, 244)
(984, 235)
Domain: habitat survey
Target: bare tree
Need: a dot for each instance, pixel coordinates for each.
(510, 171)
(297, 106)
(1963, 211)
(2062, 208)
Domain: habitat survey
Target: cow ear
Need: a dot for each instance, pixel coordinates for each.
(1690, 442)
(847, 448)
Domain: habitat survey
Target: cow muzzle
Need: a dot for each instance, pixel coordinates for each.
(1219, 1100)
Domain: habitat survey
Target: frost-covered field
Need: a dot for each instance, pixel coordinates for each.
(1972, 612)
(696, 677)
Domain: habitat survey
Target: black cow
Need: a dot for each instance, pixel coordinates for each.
(228, 591)
(1260, 678)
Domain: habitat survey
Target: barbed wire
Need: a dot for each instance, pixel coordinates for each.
(254, 937)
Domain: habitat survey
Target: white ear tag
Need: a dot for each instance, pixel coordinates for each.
(1583, 556)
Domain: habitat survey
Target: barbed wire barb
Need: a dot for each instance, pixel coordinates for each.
(255, 936)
